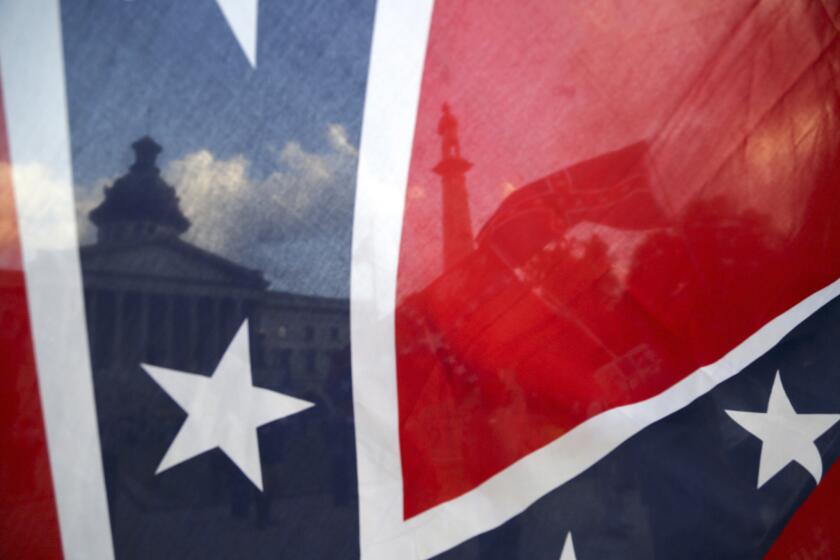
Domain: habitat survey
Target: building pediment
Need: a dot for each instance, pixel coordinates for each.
(167, 259)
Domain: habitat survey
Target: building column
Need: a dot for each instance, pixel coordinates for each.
(238, 311)
(143, 342)
(116, 351)
(193, 334)
(169, 328)
(90, 303)
(215, 325)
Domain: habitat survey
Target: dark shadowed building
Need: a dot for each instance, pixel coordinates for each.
(153, 298)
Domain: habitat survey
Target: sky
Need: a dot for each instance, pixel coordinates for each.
(262, 158)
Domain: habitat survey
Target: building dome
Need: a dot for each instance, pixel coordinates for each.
(140, 204)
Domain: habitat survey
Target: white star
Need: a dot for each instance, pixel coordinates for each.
(224, 410)
(241, 16)
(568, 552)
(785, 435)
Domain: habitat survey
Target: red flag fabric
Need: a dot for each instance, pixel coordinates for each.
(699, 127)
(28, 519)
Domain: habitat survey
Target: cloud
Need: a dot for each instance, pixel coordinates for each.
(310, 167)
(621, 243)
(214, 195)
(9, 240)
(41, 197)
(294, 224)
(340, 141)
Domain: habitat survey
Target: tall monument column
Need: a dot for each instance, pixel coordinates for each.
(458, 238)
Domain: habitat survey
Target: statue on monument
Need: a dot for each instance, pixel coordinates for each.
(448, 131)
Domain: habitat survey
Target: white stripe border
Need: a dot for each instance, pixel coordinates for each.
(32, 74)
